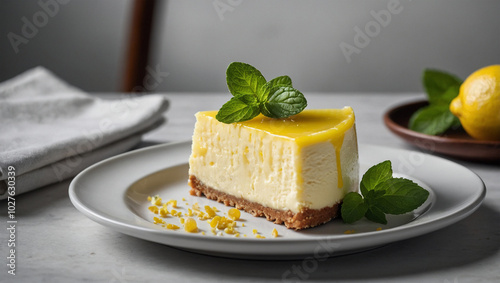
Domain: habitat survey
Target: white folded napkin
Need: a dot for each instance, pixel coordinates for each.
(50, 131)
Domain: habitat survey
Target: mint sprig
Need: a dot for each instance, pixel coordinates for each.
(252, 95)
(382, 194)
(436, 118)
(240, 108)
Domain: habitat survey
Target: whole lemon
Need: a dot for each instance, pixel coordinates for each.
(478, 104)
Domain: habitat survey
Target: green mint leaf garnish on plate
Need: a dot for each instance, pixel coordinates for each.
(254, 95)
(436, 118)
(382, 194)
(400, 196)
(375, 175)
(376, 215)
(353, 207)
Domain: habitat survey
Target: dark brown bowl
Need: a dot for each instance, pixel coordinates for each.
(455, 143)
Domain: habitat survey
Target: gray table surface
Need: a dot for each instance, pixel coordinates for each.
(56, 243)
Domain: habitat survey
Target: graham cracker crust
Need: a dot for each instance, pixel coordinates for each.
(306, 218)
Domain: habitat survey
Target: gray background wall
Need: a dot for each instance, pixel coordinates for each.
(195, 40)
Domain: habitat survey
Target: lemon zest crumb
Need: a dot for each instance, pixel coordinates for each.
(163, 212)
(155, 200)
(215, 221)
(210, 211)
(173, 203)
(234, 214)
(172, 226)
(157, 220)
(153, 209)
(190, 225)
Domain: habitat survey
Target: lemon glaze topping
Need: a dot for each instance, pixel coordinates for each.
(306, 128)
(309, 127)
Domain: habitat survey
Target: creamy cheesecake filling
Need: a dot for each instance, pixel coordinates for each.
(329, 172)
(305, 161)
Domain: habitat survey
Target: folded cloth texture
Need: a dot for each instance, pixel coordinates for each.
(44, 121)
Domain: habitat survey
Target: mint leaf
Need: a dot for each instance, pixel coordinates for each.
(283, 101)
(253, 95)
(276, 82)
(375, 175)
(280, 81)
(401, 196)
(373, 195)
(432, 120)
(436, 118)
(376, 215)
(447, 96)
(382, 194)
(437, 83)
(238, 109)
(248, 99)
(243, 78)
(353, 207)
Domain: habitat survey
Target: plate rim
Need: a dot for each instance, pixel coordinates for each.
(415, 228)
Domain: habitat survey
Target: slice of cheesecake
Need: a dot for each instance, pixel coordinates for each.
(294, 171)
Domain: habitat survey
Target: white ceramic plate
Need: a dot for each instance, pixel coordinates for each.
(114, 193)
